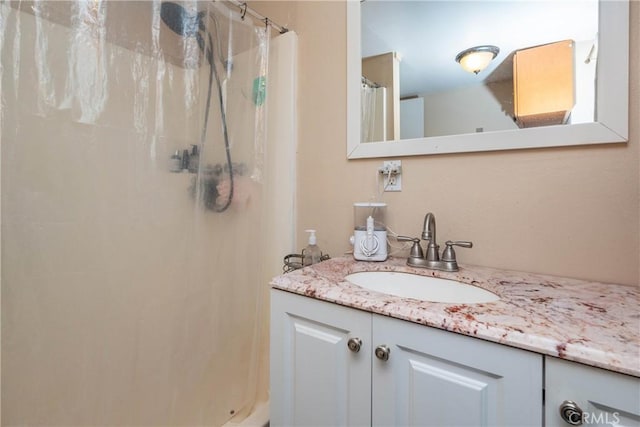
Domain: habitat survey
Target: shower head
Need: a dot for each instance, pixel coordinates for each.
(180, 20)
(183, 22)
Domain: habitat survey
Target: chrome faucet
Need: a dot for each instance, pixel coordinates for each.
(429, 234)
(431, 259)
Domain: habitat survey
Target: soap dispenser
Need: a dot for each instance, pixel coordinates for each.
(175, 162)
(194, 159)
(311, 254)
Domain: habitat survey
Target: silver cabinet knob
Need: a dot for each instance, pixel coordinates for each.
(354, 344)
(382, 352)
(571, 413)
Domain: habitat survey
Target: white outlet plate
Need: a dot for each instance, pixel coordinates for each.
(392, 182)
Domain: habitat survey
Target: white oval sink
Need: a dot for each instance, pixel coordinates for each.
(424, 288)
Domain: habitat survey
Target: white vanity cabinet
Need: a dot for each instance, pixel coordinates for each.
(589, 396)
(431, 377)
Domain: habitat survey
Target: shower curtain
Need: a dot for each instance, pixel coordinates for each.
(372, 112)
(132, 290)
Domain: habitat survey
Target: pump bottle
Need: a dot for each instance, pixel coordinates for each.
(311, 253)
(194, 159)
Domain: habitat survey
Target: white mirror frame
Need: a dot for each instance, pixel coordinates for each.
(612, 101)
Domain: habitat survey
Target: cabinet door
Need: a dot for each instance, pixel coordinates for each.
(605, 398)
(544, 87)
(316, 379)
(439, 378)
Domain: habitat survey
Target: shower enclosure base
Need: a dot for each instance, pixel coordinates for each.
(259, 417)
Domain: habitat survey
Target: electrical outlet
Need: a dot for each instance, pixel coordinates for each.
(393, 182)
(391, 172)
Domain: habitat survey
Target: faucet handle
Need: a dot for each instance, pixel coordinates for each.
(461, 243)
(449, 254)
(416, 249)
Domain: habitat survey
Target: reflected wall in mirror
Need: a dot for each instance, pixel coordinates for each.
(443, 108)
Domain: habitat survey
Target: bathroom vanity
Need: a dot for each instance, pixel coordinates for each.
(344, 355)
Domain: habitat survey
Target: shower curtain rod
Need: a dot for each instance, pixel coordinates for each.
(370, 83)
(246, 9)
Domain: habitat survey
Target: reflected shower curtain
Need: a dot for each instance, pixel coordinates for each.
(130, 287)
(372, 112)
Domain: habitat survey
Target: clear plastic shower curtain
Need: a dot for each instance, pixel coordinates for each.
(130, 288)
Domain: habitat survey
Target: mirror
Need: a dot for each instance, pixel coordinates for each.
(608, 124)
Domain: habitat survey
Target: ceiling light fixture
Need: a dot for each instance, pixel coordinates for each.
(476, 59)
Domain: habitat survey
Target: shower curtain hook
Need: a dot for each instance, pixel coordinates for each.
(266, 23)
(244, 10)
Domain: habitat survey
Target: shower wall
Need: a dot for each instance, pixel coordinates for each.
(123, 303)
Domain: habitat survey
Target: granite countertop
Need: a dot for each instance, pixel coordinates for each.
(593, 323)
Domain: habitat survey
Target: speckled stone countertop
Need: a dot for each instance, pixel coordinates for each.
(593, 323)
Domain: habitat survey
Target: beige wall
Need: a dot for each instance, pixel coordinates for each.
(442, 110)
(564, 211)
